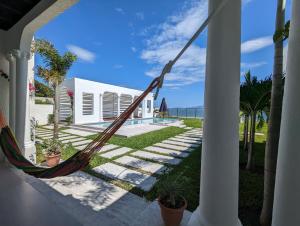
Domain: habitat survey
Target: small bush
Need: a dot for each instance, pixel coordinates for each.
(69, 120)
(50, 119)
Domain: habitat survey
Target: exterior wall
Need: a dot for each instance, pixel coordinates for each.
(80, 86)
(63, 112)
(4, 86)
(41, 112)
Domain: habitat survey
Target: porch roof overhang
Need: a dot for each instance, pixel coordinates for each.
(12, 11)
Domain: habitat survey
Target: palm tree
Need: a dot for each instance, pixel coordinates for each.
(254, 99)
(271, 150)
(246, 114)
(53, 71)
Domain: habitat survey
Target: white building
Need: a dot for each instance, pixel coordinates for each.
(95, 102)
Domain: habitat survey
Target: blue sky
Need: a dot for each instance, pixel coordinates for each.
(127, 43)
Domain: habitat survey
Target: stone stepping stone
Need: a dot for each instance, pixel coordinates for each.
(45, 135)
(193, 132)
(174, 147)
(66, 138)
(79, 132)
(108, 147)
(38, 141)
(167, 151)
(193, 136)
(51, 135)
(185, 140)
(73, 140)
(113, 171)
(188, 127)
(43, 132)
(141, 164)
(81, 147)
(180, 143)
(188, 138)
(156, 157)
(79, 143)
(116, 152)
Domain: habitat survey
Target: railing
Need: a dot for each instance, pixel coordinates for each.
(186, 112)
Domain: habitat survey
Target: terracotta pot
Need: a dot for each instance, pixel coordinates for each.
(52, 160)
(172, 217)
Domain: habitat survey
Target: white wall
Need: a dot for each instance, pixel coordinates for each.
(41, 112)
(4, 86)
(80, 86)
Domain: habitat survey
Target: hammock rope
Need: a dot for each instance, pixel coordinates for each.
(81, 159)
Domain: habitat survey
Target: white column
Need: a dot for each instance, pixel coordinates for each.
(101, 107)
(144, 108)
(22, 105)
(12, 89)
(119, 103)
(218, 205)
(287, 187)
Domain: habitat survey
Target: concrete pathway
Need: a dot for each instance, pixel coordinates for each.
(116, 152)
(139, 168)
(113, 171)
(147, 166)
(167, 151)
(90, 200)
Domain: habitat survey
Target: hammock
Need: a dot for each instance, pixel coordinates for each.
(76, 162)
(81, 159)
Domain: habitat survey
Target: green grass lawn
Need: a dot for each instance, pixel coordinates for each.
(144, 140)
(192, 122)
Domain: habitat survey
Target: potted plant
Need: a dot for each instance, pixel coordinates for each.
(171, 201)
(52, 151)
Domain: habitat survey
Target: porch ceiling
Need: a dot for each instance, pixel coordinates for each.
(11, 11)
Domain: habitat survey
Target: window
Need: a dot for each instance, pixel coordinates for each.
(87, 103)
(149, 106)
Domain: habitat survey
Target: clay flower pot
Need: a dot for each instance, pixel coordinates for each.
(172, 217)
(52, 160)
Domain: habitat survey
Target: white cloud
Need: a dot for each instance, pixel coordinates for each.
(118, 66)
(170, 37)
(120, 10)
(133, 49)
(81, 53)
(140, 15)
(253, 64)
(256, 44)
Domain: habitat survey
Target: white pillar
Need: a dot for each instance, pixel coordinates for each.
(287, 187)
(220, 151)
(144, 108)
(22, 105)
(101, 107)
(12, 89)
(119, 103)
